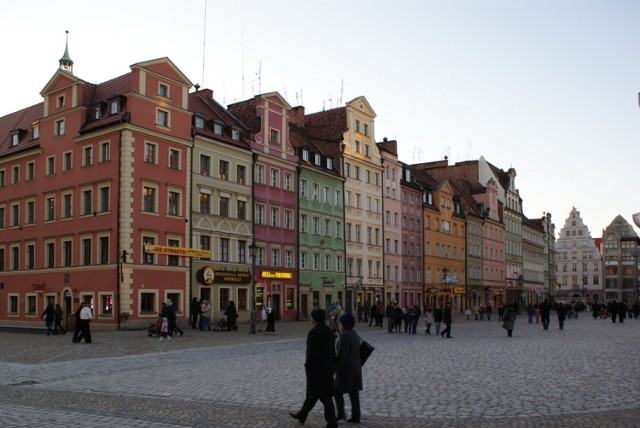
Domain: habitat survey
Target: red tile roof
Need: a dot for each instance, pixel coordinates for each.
(329, 125)
(202, 103)
(20, 120)
(245, 111)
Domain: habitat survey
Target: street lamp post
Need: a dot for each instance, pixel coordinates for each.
(445, 271)
(252, 254)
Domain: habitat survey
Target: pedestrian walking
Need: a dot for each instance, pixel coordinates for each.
(164, 329)
(489, 311)
(373, 315)
(509, 318)
(428, 319)
(537, 314)
(58, 325)
(85, 328)
(437, 319)
(194, 312)
(359, 310)
(545, 313)
(319, 368)
(467, 314)
(76, 317)
(271, 322)
(530, 312)
(49, 316)
(562, 314)
(391, 316)
(446, 318)
(172, 319)
(366, 309)
(348, 369)
(205, 314)
(263, 318)
(415, 313)
(232, 316)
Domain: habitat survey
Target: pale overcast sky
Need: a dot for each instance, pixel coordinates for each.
(547, 87)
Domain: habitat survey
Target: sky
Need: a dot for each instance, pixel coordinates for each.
(548, 87)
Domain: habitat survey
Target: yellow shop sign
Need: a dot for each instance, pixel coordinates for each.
(177, 251)
(277, 275)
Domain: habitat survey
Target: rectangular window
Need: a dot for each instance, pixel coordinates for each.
(337, 198)
(288, 180)
(241, 174)
(205, 243)
(31, 213)
(303, 223)
(30, 256)
(260, 214)
(259, 174)
(50, 254)
(87, 158)
(147, 303)
(66, 206)
(302, 188)
(67, 164)
(163, 90)
(275, 257)
(104, 199)
(147, 258)
(205, 203)
(149, 199)
(13, 305)
(315, 192)
(162, 118)
(205, 165)
(224, 249)
(66, 253)
(106, 304)
(59, 127)
(51, 165)
(174, 159)
(50, 208)
(275, 178)
(242, 251)
(86, 251)
(30, 171)
(103, 249)
(224, 206)
(15, 179)
(274, 137)
(86, 202)
(223, 170)
(275, 217)
(150, 153)
(338, 229)
(242, 210)
(288, 219)
(174, 204)
(288, 259)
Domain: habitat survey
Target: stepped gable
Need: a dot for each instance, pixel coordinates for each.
(20, 121)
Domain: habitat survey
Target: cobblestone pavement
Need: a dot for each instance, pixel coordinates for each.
(584, 376)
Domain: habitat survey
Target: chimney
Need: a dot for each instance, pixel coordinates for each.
(297, 116)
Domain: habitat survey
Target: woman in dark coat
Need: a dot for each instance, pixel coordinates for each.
(232, 316)
(348, 368)
(562, 314)
(318, 367)
(509, 319)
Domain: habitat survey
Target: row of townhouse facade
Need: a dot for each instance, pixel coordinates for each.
(139, 189)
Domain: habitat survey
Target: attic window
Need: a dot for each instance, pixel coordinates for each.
(114, 106)
(60, 101)
(235, 134)
(305, 155)
(199, 122)
(35, 131)
(163, 90)
(217, 128)
(274, 137)
(97, 112)
(316, 159)
(15, 137)
(357, 125)
(329, 163)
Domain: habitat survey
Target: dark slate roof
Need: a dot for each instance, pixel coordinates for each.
(203, 104)
(20, 120)
(299, 139)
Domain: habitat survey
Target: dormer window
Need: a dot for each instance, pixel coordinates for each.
(114, 106)
(199, 122)
(97, 112)
(217, 128)
(163, 90)
(305, 155)
(316, 159)
(329, 163)
(60, 101)
(274, 137)
(35, 131)
(235, 134)
(15, 138)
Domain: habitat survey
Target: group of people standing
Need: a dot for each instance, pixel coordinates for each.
(333, 368)
(200, 316)
(53, 317)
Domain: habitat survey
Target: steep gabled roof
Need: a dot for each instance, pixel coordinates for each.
(299, 139)
(245, 111)
(329, 125)
(20, 120)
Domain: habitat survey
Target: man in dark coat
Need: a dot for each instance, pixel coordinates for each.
(49, 316)
(348, 368)
(562, 314)
(545, 312)
(446, 318)
(194, 310)
(318, 366)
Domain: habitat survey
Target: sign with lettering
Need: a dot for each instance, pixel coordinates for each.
(177, 251)
(277, 275)
(229, 277)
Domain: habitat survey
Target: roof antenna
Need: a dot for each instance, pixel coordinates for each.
(204, 40)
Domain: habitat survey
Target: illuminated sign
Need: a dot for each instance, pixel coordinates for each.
(277, 275)
(458, 290)
(177, 251)
(228, 277)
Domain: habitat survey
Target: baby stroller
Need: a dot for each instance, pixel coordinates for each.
(154, 328)
(220, 325)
